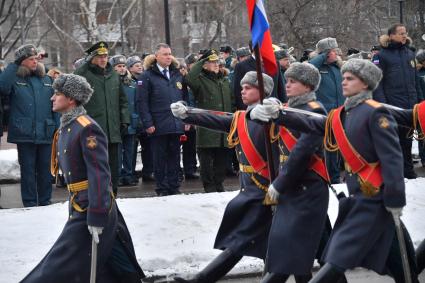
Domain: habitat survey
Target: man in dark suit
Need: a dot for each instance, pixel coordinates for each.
(244, 67)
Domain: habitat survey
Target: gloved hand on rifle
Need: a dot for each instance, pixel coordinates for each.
(266, 111)
(179, 110)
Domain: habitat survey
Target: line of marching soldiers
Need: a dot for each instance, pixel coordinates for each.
(367, 233)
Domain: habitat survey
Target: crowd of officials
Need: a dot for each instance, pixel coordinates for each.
(131, 104)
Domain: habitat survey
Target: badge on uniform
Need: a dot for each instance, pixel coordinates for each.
(91, 142)
(383, 122)
(179, 85)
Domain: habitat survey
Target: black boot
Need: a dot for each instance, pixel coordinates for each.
(327, 274)
(216, 269)
(302, 278)
(420, 256)
(274, 278)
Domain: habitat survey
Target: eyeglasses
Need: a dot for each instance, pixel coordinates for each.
(403, 34)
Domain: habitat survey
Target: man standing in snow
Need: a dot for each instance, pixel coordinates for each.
(80, 149)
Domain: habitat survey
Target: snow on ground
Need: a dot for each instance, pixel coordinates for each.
(171, 235)
(9, 166)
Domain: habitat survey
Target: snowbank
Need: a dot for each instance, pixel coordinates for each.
(172, 235)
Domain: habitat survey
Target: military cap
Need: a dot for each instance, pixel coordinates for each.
(280, 54)
(365, 70)
(73, 86)
(326, 44)
(25, 51)
(202, 51)
(99, 48)
(243, 51)
(211, 54)
(191, 58)
(133, 60)
(251, 79)
(226, 49)
(117, 59)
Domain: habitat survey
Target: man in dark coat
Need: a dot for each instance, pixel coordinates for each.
(32, 122)
(80, 150)
(399, 82)
(160, 85)
(246, 221)
(108, 106)
(363, 235)
(245, 66)
(300, 188)
(330, 91)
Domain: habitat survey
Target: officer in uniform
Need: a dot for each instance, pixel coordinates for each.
(302, 184)
(80, 150)
(366, 135)
(246, 221)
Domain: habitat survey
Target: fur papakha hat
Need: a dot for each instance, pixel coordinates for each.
(326, 44)
(305, 73)
(365, 70)
(251, 79)
(73, 86)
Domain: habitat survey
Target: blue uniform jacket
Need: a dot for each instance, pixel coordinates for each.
(31, 117)
(154, 97)
(246, 220)
(130, 90)
(363, 223)
(330, 89)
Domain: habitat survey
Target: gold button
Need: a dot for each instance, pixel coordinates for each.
(69, 173)
(242, 189)
(69, 129)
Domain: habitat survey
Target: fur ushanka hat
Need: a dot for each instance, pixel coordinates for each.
(365, 70)
(73, 86)
(305, 73)
(251, 79)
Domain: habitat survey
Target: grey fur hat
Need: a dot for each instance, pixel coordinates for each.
(420, 56)
(365, 70)
(117, 59)
(305, 73)
(326, 44)
(133, 60)
(25, 51)
(251, 78)
(73, 86)
(243, 51)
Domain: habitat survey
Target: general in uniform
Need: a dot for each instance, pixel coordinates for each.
(247, 218)
(80, 150)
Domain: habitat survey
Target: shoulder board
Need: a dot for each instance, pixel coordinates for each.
(373, 103)
(83, 121)
(314, 104)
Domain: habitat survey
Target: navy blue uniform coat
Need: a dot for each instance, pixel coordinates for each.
(246, 221)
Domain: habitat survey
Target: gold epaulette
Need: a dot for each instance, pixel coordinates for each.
(314, 104)
(373, 103)
(84, 121)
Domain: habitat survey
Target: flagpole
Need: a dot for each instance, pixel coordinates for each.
(266, 126)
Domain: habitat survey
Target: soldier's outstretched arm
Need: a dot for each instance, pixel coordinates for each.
(209, 120)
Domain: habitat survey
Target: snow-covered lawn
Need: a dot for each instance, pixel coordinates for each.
(171, 235)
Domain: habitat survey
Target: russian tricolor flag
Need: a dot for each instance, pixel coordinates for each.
(260, 33)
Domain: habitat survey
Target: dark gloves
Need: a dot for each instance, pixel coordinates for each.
(123, 129)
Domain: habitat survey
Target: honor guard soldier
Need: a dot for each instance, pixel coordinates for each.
(246, 221)
(80, 150)
(300, 188)
(366, 135)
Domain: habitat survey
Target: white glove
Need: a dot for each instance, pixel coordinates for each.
(179, 110)
(266, 111)
(397, 212)
(95, 232)
(273, 193)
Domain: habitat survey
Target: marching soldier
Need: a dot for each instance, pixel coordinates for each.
(80, 150)
(302, 185)
(246, 221)
(366, 135)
